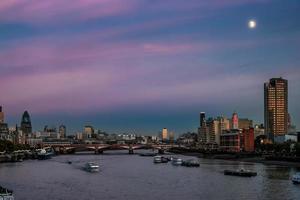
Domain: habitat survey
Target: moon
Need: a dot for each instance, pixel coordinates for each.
(252, 24)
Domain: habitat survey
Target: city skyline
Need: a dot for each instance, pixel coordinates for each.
(144, 66)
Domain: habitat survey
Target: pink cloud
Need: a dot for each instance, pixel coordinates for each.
(57, 11)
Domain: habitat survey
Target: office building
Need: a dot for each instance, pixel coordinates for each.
(88, 131)
(26, 124)
(245, 123)
(276, 107)
(235, 121)
(164, 134)
(1, 115)
(62, 131)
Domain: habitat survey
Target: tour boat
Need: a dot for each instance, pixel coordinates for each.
(6, 194)
(296, 178)
(241, 172)
(177, 161)
(43, 154)
(160, 159)
(91, 167)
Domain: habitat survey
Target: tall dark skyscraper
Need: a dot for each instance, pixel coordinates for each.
(202, 130)
(26, 123)
(1, 115)
(276, 107)
(202, 118)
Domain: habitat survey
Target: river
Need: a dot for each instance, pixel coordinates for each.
(133, 177)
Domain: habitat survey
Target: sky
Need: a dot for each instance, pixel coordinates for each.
(138, 66)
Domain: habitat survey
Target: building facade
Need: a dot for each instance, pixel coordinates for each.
(235, 121)
(62, 131)
(276, 107)
(26, 126)
(164, 134)
(1, 115)
(237, 140)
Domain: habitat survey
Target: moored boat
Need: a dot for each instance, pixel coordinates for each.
(177, 161)
(6, 194)
(157, 159)
(91, 167)
(240, 172)
(42, 154)
(296, 178)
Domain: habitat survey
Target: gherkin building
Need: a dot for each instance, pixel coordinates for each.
(26, 123)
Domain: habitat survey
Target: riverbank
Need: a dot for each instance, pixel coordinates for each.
(234, 157)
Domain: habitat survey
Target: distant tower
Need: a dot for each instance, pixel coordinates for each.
(1, 115)
(235, 121)
(202, 130)
(171, 137)
(26, 123)
(202, 118)
(164, 134)
(62, 131)
(276, 107)
(88, 131)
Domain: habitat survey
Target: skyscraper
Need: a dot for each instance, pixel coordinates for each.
(1, 115)
(26, 123)
(202, 118)
(164, 134)
(235, 121)
(88, 131)
(276, 107)
(202, 130)
(62, 131)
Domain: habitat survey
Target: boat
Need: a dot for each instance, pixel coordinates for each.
(91, 167)
(191, 163)
(148, 154)
(164, 160)
(177, 161)
(43, 154)
(6, 194)
(69, 162)
(157, 159)
(296, 178)
(240, 172)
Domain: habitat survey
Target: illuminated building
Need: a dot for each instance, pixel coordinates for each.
(62, 131)
(88, 132)
(235, 121)
(164, 134)
(276, 107)
(202, 118)
(245, 123)
(236, 140)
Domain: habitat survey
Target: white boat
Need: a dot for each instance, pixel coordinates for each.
(157, 159)
(6, 194)
(91, 167)
(296, 178)
(177, 161)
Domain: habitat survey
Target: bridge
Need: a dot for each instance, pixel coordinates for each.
(100, 148)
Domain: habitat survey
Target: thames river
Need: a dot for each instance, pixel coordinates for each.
(133, 177)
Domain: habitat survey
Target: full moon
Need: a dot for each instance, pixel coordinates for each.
(251, 24)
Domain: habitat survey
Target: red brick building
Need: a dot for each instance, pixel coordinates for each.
(237, 140)
(247, 140)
